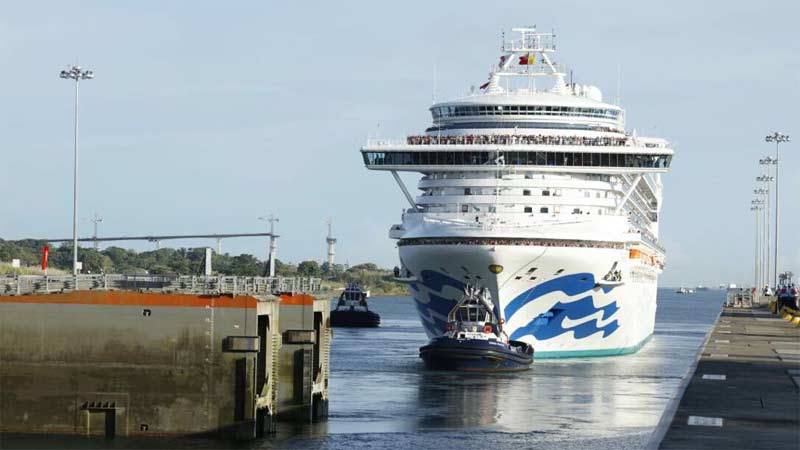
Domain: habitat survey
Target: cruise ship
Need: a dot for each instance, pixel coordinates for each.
(532, 188)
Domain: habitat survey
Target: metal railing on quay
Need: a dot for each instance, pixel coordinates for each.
(181, 284)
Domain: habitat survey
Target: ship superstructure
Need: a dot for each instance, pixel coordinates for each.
(532, 188)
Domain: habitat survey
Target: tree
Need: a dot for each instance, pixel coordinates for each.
(308, 269)
(369, 267)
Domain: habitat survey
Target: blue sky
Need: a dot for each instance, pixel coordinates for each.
(204, 116)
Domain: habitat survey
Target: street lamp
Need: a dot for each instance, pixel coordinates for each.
(272, 242)
(778, 138)
(77, 74)
(757, 270)
(762, 240)
(766, 179)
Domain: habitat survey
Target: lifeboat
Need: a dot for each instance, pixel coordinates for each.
(475, 341)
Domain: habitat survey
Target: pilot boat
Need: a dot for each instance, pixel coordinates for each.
(474, 339)
(352, 309)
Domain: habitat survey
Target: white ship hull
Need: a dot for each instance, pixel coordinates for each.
(586, 319)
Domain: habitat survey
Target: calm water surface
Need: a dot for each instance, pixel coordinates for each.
(381, 397)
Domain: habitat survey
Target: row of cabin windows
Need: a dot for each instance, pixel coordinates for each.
(542, 210)
(522, 110)
(545, 193)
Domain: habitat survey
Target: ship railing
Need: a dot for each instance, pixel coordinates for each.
(180, 284)
(519, 139)
(648, 238)
(490, 222)
(514, 139)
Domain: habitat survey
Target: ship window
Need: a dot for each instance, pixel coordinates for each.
(464, 208)
(517, 158)
(517, 278)
(576, 211)
(528, 209)
(587, 194)
(541, 158)
(526, 192)
(543, 209)
(546, 193)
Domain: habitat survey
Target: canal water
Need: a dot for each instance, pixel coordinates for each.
(382, 398)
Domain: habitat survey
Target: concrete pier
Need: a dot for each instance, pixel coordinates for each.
(160, 356)
(744, 393)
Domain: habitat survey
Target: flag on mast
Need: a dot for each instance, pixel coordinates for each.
(45, 253)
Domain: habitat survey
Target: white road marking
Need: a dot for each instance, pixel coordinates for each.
(713, 376)
(705, 421)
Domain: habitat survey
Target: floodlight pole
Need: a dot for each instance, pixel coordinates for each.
(778, 138)
(75, 73)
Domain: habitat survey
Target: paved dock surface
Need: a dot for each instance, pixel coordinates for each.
(745, 392)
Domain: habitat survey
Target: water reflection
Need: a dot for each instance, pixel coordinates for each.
(449, 400)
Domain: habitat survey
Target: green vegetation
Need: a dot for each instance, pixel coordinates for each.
(188, 261)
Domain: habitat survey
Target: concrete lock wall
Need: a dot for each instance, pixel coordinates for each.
(304, 358)
(128, 363)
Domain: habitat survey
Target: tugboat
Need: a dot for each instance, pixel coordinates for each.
(352, 310)
(474, 340)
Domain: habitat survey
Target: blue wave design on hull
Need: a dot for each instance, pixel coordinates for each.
(551, 324)
(569, 284)
(435, 281)
(543, 328)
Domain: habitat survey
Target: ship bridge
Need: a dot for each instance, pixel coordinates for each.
(524, 109)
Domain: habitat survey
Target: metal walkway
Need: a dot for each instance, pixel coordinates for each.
(217, 285)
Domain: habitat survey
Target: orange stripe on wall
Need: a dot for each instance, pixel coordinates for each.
(129, 298)
(297, 299)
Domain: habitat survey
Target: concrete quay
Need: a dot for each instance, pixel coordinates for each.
(136, 356)
(745, 390)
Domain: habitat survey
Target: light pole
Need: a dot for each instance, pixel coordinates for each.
(273, 244)
(756, 273)
(777, 138)
(766, 179)
(77, 74)
(96, 219)
(759, 203)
